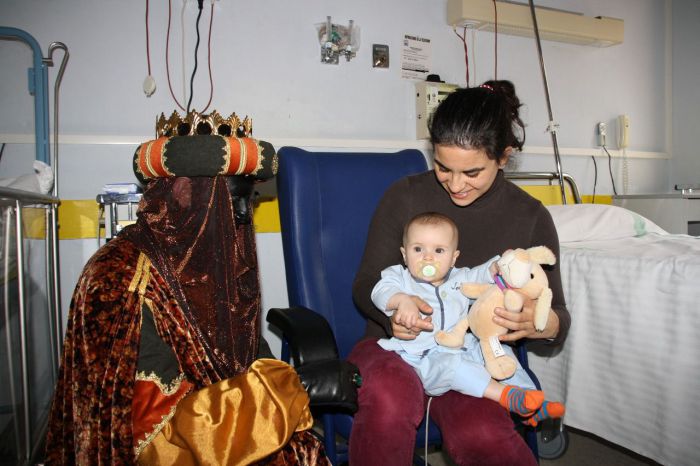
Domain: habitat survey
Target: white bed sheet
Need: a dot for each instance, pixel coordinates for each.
(629, 371)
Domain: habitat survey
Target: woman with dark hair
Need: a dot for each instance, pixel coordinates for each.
(474, 132)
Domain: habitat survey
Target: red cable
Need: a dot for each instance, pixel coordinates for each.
(148, 50)
(211, 81)
(466, 50)
(167, 59)
(495, 41)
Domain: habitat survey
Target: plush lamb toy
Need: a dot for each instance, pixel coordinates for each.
(520, 275)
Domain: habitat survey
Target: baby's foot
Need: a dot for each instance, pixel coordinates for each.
(549, 409)
(520, 401)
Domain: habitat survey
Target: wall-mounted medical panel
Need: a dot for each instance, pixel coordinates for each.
(553, 24)
(428, 96)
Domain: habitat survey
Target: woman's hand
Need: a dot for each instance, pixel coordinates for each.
(412, 303)
(521, 324)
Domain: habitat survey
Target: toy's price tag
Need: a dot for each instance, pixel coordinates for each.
(496, 346)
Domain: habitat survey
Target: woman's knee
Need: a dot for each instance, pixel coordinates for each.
(390, 388)
(478, 431)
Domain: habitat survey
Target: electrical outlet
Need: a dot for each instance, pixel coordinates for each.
(602, 133)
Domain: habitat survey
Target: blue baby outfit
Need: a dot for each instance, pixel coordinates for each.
(440, 368)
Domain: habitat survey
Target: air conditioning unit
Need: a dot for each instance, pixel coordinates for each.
(516, 19)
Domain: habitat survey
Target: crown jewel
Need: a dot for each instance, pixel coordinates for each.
(195, 123)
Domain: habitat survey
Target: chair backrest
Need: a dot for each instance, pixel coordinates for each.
(326, 202)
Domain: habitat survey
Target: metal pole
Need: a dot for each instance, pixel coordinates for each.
(24, 369)
(56, 88)
(552, 127)
(58, 315)
(8, 332)
(50, 303)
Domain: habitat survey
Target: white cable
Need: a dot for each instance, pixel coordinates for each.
(625, 172)
(427, 425)
(473, 48)
(182, 50)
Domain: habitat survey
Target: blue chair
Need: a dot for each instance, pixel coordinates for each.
(326, 201)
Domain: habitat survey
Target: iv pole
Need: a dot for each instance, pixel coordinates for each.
(552, 126)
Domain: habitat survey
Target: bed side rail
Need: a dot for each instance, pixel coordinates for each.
(547, 176)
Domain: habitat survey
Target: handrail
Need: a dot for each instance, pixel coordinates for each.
(26, 197)
(56, 93)
(549, 176)
(38, 87)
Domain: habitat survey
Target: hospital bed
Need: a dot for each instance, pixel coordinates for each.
(629, 371)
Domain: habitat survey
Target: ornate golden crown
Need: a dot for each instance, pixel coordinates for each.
(195, 123)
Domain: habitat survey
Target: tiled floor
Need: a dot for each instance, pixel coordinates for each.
(583, 450)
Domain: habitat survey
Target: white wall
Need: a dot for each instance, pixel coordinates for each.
(265, 63)
(686, 92)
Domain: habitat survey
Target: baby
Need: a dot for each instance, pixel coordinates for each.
(429, 251)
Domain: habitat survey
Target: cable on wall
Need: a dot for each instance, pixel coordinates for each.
(167, 57)
(200, 6)
(463, 38)
(495, 41)
(612, 178)
(472, 31)
(149, 84)
(148, 47)
(211, 80)
(595, 177)
(183, 60)
(625, 171)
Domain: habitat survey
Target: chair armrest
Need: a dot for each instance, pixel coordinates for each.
(331, 384)
(308, 334)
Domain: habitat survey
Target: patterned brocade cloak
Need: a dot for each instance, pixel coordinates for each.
(186, 279)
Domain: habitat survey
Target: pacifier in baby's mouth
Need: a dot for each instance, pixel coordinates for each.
(428, 269)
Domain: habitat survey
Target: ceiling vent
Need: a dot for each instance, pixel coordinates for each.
(516, 19)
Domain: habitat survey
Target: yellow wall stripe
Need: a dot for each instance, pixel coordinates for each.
(33, 222)
(266, 217)
(551, 195)
(78, 218)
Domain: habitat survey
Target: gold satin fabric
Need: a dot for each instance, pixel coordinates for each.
(237, 421)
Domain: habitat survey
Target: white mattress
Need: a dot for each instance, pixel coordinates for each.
(629, 371)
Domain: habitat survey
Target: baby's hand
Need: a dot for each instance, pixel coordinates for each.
(407, 316)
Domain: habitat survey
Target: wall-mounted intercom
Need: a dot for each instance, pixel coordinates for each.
(429, 94)
(623, 131)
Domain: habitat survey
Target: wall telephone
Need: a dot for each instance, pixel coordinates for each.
(623, 127)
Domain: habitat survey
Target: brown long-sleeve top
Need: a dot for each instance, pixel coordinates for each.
(505, 217)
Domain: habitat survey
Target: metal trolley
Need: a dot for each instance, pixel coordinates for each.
(116, 211)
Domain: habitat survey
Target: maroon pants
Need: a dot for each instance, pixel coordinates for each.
(475, 431)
